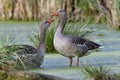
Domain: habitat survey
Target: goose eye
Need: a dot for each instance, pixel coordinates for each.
(60, 11)
(46, 22)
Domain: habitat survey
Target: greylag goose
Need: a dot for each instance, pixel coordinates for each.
(70, 45)
(35, 59)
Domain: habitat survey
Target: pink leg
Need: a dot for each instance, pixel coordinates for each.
(71, 61)
(77, 61)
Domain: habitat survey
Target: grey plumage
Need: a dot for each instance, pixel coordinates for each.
(78, 40)
(31, 56)
(70, 45)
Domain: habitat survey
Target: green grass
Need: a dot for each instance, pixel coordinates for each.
(4, 55)
(96, 72)
(100, 72)
(9, 60)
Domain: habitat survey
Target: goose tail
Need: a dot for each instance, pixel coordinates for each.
(92, 45)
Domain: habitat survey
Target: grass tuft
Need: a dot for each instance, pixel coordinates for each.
(9, 60)
(98, 72)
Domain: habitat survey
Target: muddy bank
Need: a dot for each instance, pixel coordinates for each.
(26, 75)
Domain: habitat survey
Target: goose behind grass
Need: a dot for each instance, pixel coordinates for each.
(28, 55)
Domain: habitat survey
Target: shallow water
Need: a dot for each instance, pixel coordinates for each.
(58, 65)
(55, 64)
(18, 30)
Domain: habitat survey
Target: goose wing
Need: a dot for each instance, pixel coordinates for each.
(78, 40)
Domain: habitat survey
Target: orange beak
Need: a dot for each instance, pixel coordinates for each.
(54, 13)
(50, 20)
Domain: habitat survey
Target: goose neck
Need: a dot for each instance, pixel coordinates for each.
(41, 48)
(42, 37)
(62, 23)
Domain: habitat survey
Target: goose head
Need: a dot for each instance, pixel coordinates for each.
(45, 24)
(60, 13)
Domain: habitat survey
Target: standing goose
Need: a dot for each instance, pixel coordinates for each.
(36, 59)
(70, 45)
